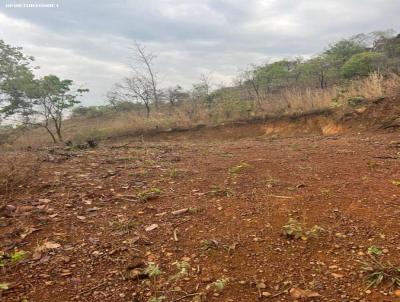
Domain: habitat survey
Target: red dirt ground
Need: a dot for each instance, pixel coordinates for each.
(82, 201)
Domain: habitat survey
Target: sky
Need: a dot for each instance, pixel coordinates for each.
(90, 41)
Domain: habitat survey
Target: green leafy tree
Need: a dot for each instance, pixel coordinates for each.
(343, 50)
(278, 75)
(315, 72)
(15, 70)
(41, 102)
(362, 64)
(13, 62)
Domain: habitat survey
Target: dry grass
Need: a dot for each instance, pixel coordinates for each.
(375, 86)
(298, 101)
(230, 105)
(17, 170)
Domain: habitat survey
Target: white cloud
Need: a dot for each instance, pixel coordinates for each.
(55, 55)
(88, 41)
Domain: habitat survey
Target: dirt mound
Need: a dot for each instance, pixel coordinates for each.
(378, 115)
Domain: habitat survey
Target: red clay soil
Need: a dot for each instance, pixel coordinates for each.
(90, 232)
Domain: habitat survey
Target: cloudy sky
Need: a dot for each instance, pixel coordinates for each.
(89, 40)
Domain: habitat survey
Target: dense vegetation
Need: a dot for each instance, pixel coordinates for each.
(279, 87)
(346, 60)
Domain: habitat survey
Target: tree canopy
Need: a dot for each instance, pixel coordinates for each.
(33, 101)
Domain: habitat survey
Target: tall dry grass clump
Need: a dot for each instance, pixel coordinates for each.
(306, 100)
(17, 170)
(374, 86)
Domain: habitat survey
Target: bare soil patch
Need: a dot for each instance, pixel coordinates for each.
(93, 219)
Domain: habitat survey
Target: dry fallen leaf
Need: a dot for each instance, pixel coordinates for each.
(48, 245)
(51, 245)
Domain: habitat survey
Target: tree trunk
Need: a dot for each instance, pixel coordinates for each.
(51, 134)
(59, 135)
(147, 110)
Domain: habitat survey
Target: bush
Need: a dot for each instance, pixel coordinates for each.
(362, 64)
(90, 111)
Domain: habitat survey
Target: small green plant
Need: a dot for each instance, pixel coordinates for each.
(194, 210)
(374, 250)
(293, 229)
(379, 272)
(153, 271)
(314, 232)
(209, 244)
(183, 269)
(238, 168)
(18, 256)
(124, 226)
(14, 257)
(218, 191)
(3, 286)
(149, 194)
(174, 173)
(220, 284)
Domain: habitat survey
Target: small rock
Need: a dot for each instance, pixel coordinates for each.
(44, 200)
(151, 227)
(298, 293)
(266, 294)
(50, 245)
(181, 211)
(160, 214)
(261, 285)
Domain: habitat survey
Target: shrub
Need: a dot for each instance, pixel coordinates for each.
(293, 229)
(379, 272)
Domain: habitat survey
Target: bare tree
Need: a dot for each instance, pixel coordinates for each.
(141, 86)
(144, 71)
(201, 89)
(175, 94)
(137, 88)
